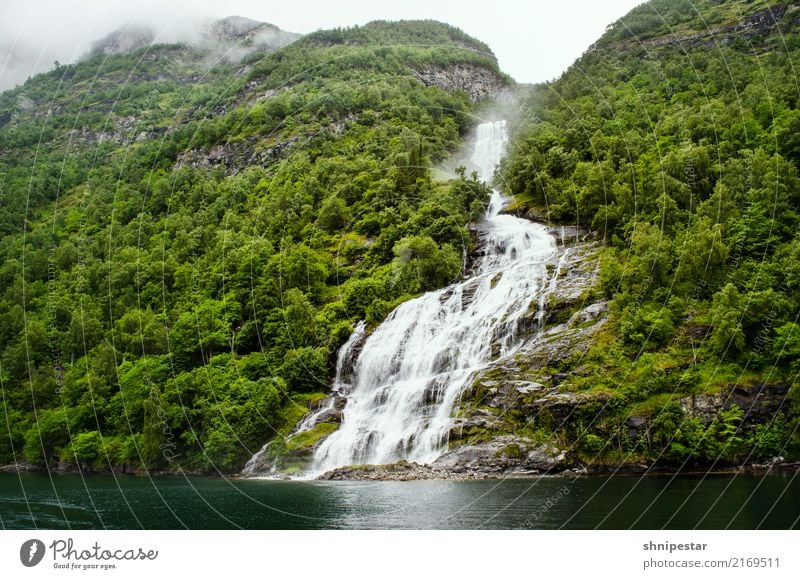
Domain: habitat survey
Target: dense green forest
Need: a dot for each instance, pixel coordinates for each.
(675, 137)
(186, 242)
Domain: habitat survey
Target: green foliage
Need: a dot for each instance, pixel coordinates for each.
(787, 345)
(726, 316)
(723, 440)
(160, 312)
(680, 438)
(309, 438)
(86, 448)
(47, 436)
(675, 138)
(421, 265)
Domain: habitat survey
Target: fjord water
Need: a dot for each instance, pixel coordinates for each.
(413, 367)
(682, 502)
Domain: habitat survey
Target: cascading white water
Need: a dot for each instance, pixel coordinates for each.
(415, 365)
(260, 463)
(341, 385)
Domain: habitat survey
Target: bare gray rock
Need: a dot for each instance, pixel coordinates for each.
(502, 456)
(237, 156)
(478, 82)
(753, 28)
(758, 400)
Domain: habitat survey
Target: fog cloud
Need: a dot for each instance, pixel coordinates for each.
(35, 34)
(533, 40)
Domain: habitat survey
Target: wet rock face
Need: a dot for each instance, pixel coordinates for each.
(503, 456)
(477, 419)
(504, 397)
(478, 82)
(395, 472)
(484, 440)
(571, 234)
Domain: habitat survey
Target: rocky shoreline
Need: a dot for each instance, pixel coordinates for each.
(405, 471)
(411, 471)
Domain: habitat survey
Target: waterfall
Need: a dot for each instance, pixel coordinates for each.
(341, 384)
(260, 463)
(415, 365)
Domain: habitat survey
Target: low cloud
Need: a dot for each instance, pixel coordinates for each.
(36, 34)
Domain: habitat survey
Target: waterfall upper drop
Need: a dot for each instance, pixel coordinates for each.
(413, 367)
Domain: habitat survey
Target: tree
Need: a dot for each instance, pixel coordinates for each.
(702, 254)
(151, 450)
(305, 369)
(298, 314)
(333, 214)
(197, 335)
(786, 346)
(726, 316)
(420, 265)
(87, 449)
(141, 332)
(46, 436)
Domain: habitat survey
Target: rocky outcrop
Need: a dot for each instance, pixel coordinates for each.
(524, 388)
(504, 456)
(237, 156)
(477, 82)
(566, 235)
(400, 471)
(758, 400)
(122, 131)
(231, 36)
(752, 28)
(484, 440)
(123, 41)
(258, 35)
(21, 466)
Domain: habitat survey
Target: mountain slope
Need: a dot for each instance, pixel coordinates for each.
(187, 240)
(674, 138)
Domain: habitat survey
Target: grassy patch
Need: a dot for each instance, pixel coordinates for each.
(309, 438)
(652, 405)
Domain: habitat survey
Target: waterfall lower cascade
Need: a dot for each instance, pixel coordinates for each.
(414, 366)
(260, 463)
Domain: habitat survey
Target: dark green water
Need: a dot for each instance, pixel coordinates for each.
(684, 502)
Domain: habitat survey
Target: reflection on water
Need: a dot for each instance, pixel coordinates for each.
(714, 502)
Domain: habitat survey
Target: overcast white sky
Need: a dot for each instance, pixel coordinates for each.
(534, 40)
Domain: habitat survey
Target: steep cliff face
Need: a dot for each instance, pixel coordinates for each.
(238, 156)
(500, 427)
(497, 428)
(752, 28)
(477, 82)
(648, 361)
